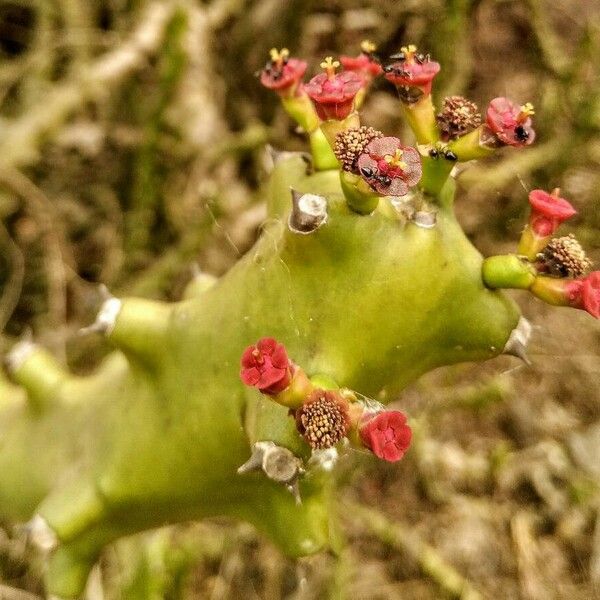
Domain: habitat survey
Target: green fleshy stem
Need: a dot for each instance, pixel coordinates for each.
(322, 154)
(41, 376)
(471, 146)
(508, 271)
(359, 196)
(531, 243)
(332, 127)
(551, 290)
(421, 118)
(435, 174)
(301, 109)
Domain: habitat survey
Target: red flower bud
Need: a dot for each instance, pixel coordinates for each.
(510, 123)
(548, 211)
(412, 70)
(266, 367)
(283, 74)
(333, 94)
(386, 434)
(590, 294)
(388, 167)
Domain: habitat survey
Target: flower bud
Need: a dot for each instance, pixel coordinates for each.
(386, 434)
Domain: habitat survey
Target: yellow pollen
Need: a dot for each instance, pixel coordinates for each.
(368, 47)
(278, 56)
(526, 110)
(395, 160)
(409, 51)
(330, 65)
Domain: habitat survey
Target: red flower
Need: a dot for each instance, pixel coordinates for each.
(266, 366)
(590, 294)
(388, 167)
(282, 74)
(333, 95)
(548, 211)
(386, 434)
(412, 70)
(510, 123)
(365, 64)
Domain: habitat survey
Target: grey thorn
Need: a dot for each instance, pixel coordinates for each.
(19, 353)
(425, 219)
(518, 341)
(278, 463)
(254, 463)
(40, 534)
(309, 212)
(107, 315)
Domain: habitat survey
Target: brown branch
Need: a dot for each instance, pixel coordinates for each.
(20, 139)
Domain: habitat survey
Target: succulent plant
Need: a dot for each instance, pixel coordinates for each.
(361, 281)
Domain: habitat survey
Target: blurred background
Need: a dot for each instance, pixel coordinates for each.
(132, 150)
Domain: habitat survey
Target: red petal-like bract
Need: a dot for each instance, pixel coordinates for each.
(590, 294)
(388, 179)
(363, 64)
(266, 366)
(334, 97)
(504, 119)
(285, 77)
(387, 435)
(548, 211)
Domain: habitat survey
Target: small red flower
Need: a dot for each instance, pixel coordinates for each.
(266, 366)
(510, 123)
(590, 294)
(283, 74)
(388, 167)
(365, 64)
(386, 434)
(548, 211)
(412, 69)
(333, 94)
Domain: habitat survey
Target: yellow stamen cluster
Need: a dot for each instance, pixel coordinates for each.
(279, 56)
(351, 143)
(409, 51)
(323, 420)
(395, 160)
(329, 65)
(526, 111)
(368, 47)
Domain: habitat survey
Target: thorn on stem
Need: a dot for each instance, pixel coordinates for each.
(107, 315)
(518, 341)
(278, 463)
(309, 212)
